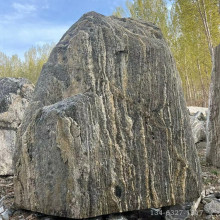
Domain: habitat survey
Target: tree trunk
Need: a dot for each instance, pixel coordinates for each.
(204, 93)
(202, 11)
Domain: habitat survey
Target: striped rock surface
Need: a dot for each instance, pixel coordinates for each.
(15, 95)
(213, 139)
(108, 130)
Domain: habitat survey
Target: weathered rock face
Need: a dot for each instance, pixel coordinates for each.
(7, 145)
(213, 142)
(108, 129)
(15, 95)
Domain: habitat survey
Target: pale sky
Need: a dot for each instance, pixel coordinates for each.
(26, 23)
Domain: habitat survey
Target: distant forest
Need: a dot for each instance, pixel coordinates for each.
(191, 28)
(28, 67)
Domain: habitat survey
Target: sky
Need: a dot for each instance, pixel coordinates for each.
(27, 23)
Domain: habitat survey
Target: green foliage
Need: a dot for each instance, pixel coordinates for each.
(30, 67)
(195, 32)
(215, 172)
(119, 12)
(192, 30)
(148, 10)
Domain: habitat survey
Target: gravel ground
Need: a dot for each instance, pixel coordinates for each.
(210, 175)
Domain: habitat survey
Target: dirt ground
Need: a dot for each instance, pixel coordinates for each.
(210, 177)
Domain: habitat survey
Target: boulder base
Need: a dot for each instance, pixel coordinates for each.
(108, 130)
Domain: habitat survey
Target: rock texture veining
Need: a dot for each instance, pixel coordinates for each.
(108, 129)
(213, 142)
(15, 94)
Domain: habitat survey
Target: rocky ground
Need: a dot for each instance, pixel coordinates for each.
(211, 184)
(209, 203)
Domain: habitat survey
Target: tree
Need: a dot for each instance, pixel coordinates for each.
(191, 28)
(148, 10)
(194, 28)
(30, 67)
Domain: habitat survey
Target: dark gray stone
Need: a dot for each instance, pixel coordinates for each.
(213, 136)
(217, 195)
(16, 86)
(212, 207)
(15, 94)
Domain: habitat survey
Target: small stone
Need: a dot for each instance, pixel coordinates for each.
(212, 196)
(209, 198)
(1, 200)
(5, 215)
(212, 208)
(1, 209)
(217, 195)
(208, 192)
(204, 202)
(209, 217)
(204, 174)
(21, 217)
(30, 217)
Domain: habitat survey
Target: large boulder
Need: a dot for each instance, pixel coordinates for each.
(213, 139)
(107, 130)
(198, 116)
(15, 94)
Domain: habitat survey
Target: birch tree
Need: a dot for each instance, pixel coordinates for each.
(191, 28)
